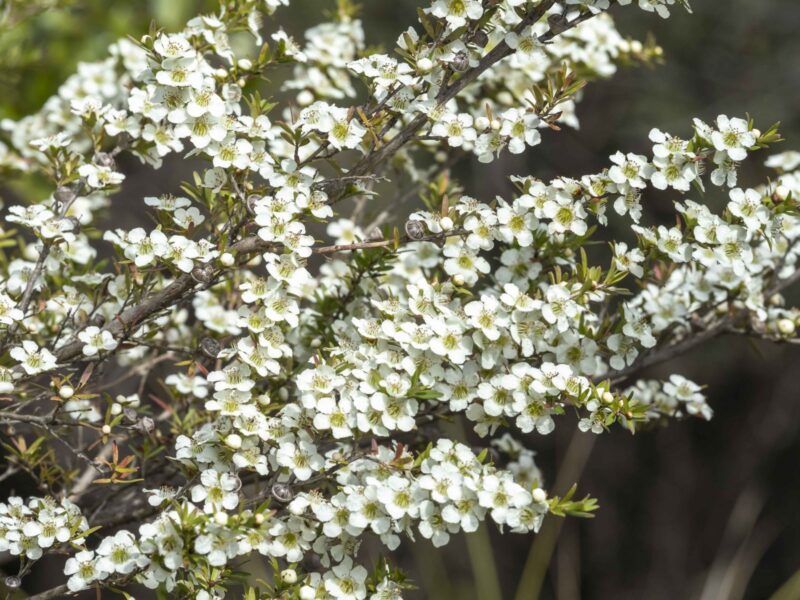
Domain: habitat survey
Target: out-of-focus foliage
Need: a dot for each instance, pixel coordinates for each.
(41, 41)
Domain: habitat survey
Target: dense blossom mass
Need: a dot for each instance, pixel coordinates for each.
(314, 358)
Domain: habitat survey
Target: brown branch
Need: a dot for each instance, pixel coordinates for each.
(56, 592)
(136, 315)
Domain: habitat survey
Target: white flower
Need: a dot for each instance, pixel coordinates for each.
(457, 128)
(300, 456)
(462, 264)
(630, 169)
(187, 217)
(457, 12)
(450, 341)
(629, 261)
(217, 491)
(345, 581)
(9, 313)
(167, 202)
(749, 207)
(521, 129)
(83, 571)
(32, 358)
(565, 215)
(344, 132)
(734, 136)
(119, 554)
(500, 496)
(559, 308)
(100, 177)
(398, 497)
(96, 340)
(785, 161)
(487, 316)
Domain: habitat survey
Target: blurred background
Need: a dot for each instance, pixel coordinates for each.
(705, 511)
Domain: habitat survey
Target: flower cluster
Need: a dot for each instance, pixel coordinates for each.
(29, 529)
(303, 400)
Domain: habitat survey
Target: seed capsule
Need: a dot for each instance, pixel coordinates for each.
(147, 424)
(282, 492)
(460, 62)
(203, 274)
(104, 159)
(210, 347)
(13, 582)
(64, 195)
(415, 229)
(251, 202)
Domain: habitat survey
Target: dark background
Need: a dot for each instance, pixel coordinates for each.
(705, 511)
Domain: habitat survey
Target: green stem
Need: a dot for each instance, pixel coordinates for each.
(484, 569)
(541, 552)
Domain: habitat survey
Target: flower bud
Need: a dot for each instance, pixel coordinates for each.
(424, 64)
(539, 495)
(482, 123)
(307, 593)
(221, 518)
(305, 98)
(608, 397)
(227, 259)
(233, 441)
(244, 63)
(786, 327)
(106, 429)
(66, 391)
(259, 518)
(504, 97)
(289, 576)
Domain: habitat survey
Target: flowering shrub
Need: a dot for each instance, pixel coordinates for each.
(315, 358)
